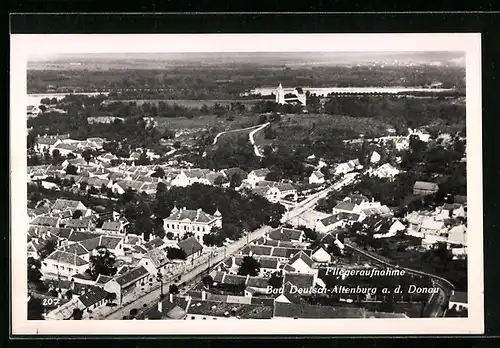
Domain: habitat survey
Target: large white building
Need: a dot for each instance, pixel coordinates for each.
(197, 222)
(300, 96)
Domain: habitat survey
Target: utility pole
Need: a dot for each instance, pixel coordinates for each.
(159, 277)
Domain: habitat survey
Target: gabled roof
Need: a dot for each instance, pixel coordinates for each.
(191, 215)
(260, 172)
(84, 222)
(154, 243)
(45, 221)
(93, 296)
(75, 248)
(285, 234)
(158, 257)
(424, 185)
(302, 256)
(68, 258)
(300, 280)
(318, 174)
(190, 246)
(132, 276)
(345, 205)
(102, 279)
(111, 226)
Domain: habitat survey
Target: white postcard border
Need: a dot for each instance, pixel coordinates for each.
(22, 46)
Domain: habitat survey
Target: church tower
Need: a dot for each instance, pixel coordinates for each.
(280, 95)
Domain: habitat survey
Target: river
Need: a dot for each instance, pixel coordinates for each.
(34, 99)
(322, 91)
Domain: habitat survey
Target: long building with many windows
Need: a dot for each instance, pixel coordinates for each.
(197, 222)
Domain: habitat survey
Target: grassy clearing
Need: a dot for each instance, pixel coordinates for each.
(190, 103)
(207, 121)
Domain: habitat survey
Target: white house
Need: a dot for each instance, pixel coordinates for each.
(46, 143)
(257, 176)
(330, 223)
(385, 171)
(320, 255)
(316, 178)
(198, 222)
(302, 263)
(375, 158)
(389, 229)
(63, 264)
(347, 167)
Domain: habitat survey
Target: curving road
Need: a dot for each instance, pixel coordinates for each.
(252, 140)
(232, 131)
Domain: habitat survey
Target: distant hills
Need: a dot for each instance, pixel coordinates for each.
(228, 60)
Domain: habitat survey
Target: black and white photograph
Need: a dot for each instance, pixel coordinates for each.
(300, 183)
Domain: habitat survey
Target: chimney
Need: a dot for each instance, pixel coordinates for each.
(171, 297)
(203, 295)
(160, 307)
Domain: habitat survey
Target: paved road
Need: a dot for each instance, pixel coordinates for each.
(192, 274)
(232, 131)
(437, 302)
(153, 296)
(312, 200)
(252, 140)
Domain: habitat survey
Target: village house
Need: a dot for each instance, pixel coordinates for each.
(424, 188)
(347, 167)
(63, 264)
(286, 235)
(321, 255)
(128, 282)
(191, 176)
(155, 261)
(335, 221)
(317, 177)
(458, 300)
(302, 263)
(80, 224)
(171, 308)
(49, 221)
(257, 176)
(191, 247)
(46, 143)
(92, 299)
(182, 221)
(385, 171)
(275, 191)
(63, 204)
(451, 210)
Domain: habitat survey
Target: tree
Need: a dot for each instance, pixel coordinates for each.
(71, 169)
(235, 180)
(83, 186)
(276, 280)
(143, 159)
(77, 214)
(177, 145)
(34, 274)
(219, 181)
(176, 253)
(262, 119)
(35, 309)
(87, 155)
(102, 263)
(170, 236)
(173, 289)
(208, 280)
(48, 248)
(159, 173)
(250, 266)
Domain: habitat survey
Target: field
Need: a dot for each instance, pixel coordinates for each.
(206, 122)
(296, 127)
(191, 103)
